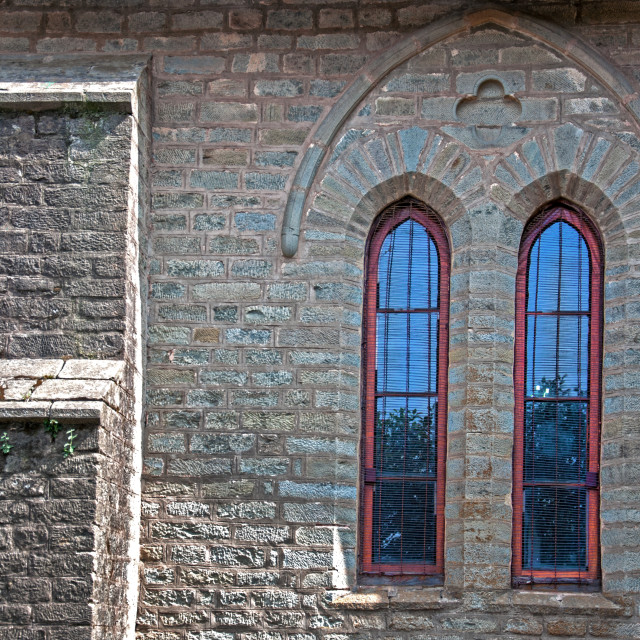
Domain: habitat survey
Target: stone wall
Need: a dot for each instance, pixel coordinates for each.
(65, 518)
(75, 149)
(63, 210)
(253, 404)
(254, 421)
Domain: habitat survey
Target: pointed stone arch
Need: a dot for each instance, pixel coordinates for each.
(368, 174)
(323, 138)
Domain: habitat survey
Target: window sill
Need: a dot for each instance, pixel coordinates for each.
(371, 599)
(436, 598)
(569, 603)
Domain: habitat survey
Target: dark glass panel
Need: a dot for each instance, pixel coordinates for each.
(555, 442)
(557, 356)
(405, 437)
(558, 276)
(404, 522)
(554, 529)
(408, 269)
(407, 349)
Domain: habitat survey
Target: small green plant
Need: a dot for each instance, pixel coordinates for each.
(68, 447)
(52, 426)
(5, 446)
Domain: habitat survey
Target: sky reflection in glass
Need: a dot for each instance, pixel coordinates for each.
(405, 283)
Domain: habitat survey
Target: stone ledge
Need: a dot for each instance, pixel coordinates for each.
(17, 388)
(14, 410)
(88, 410)
(359, 601)
(26, 386)
(69, 369)
(567, 603)
(434, 598)
(28, 368)
(93, 370)
(83, 411)
(36, 81)
(73, 390)
(397, 598)
(39, 99)
(61, 70)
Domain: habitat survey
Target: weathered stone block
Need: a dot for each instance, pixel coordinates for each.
(229, 134)
(193, 64)
(247, 510)
(393, 106)
(214, 179)
(255, 63)
(232, 245)
(202, 398)
(224, 377)
(338, 64)
(289, 19)
(248, 336)
(196, 468)
(195, 268)
(265, 181)
(272, 378)
(227, 292)
(264, 466)
(228, 112)
(309, 113)
(565, 80)
(221, 443)
(278, 88)
(303, 559)
(251, 268)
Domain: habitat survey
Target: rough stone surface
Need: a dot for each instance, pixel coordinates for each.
(64, 207)
(65, 517)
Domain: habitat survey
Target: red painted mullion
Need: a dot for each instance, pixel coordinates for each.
(371, 287)
(595, 386)
(442, 245)
(519, 402)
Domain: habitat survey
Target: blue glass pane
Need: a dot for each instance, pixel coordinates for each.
(408, 269)
(557, 356)
(406, 352)
(558, 276)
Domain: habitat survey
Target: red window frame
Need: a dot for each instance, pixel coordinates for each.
(390, 218)
(589, 233)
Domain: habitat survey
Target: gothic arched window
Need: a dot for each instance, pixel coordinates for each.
(557, 378)
(405, 393)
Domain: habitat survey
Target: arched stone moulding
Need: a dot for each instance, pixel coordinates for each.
(374, 171)
(568, 162)
(552, 35)
(368, 172)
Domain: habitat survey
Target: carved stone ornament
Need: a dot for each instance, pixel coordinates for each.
(490, 115)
